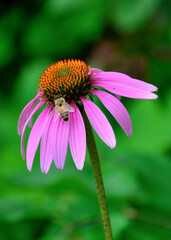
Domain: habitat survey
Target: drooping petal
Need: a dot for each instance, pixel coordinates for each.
(117, 109)
(94, 70)
(126, 91)
(35, 135)
(99, 122)
(122, 80)
(60, 144)
(77, 138)
(46, 152)
(30, 123)
(25, 114)
(133, 93)
(118, 97)
(38, 106)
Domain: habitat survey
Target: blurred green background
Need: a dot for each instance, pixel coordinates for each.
(129, 36)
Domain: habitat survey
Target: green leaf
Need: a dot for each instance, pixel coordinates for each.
(28, 78)
(62, 29)
(129, 15)
(118, 223)
(151, 126)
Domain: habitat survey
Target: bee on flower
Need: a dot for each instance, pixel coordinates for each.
(62, 108)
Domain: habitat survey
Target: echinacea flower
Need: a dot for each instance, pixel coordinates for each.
(76, 84)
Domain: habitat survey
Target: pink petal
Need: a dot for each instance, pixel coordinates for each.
(35, 135)
(38, 106)
(117, 109)
(60, 141)
(118, 97)
(134, 93)
(99, 122)
(94, 70)
(77, 138)
(46, 153)
(25, 114)
(30, 123)
(125, 91)
(122, 80)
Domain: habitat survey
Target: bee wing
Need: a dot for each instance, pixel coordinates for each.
(68, 107)
(55, 113)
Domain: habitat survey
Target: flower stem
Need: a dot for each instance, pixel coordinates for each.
(98, 178)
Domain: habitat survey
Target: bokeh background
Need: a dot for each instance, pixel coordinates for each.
(129, 36)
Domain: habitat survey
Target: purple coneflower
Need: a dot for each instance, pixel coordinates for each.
(65, 88)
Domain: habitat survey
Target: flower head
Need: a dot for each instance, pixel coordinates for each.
(67, 87)
(69, 79)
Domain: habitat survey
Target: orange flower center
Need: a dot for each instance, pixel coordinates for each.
(69, 79)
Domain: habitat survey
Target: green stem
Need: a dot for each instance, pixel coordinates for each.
(98, 178)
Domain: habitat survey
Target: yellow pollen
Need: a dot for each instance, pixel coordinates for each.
(68, 78)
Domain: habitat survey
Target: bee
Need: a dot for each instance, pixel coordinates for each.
(61, 108)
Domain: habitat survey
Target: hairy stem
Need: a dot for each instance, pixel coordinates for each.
(98, 178)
